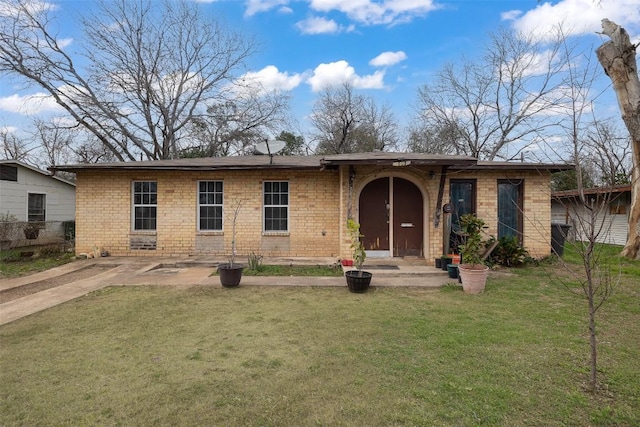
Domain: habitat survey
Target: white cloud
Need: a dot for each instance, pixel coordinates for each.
(576, 16)
(259, 6)
(370, 12)
(29, 104)
(510, 15)
(318, 25)
(271, 79)
(386, 59)
(33, 6)
(334, 73)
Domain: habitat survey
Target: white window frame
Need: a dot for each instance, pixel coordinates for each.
(44, 207)
(135, 205)
(221, 205)
(265, 206)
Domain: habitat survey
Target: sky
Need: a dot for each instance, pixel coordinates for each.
(385, 48)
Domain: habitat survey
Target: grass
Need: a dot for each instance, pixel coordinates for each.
(294, 270)
(12, 264)
(516, 356)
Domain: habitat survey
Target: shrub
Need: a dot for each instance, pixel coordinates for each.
(509, 252)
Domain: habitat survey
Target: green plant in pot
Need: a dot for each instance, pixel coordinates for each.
(357, 280)
(473, 272)
(231, 273)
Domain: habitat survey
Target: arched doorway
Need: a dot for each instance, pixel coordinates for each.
(391, 217)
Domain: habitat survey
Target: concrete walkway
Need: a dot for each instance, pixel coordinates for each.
(196, 271)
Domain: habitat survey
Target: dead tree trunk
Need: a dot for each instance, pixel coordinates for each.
(618, 58)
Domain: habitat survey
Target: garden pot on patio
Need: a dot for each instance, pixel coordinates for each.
(452, 269)
(445, 261)
(474, 277)
(358, 281)
(439, 263)
(230, 274)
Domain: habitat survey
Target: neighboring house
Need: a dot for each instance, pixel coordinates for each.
(610, 207)
(33, 195)
(299, 205)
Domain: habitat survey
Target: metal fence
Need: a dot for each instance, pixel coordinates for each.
(17, 234)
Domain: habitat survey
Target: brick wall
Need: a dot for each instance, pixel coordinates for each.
(104, 213)
(320, 202)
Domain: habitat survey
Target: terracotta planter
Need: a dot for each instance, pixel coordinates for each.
(358, 281)
(230, 276)
(474, 277)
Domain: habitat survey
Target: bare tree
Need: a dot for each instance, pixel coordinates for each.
(346, 122)
(235, 125)
(618, 58)
(505, 99)
(55, 142)
(151, 66)
(443, 139)
(13, 147)
(610, 154)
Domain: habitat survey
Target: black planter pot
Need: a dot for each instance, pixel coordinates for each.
(439, 263)
(358, 281)
(230, 276)
(453, 271)
(445, 260)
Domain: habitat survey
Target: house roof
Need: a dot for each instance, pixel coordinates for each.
(396, 159)
(547, 167)
(254, 162)
(592, 191)
(35, 169)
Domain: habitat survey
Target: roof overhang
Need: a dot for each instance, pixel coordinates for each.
(397, 159)
(34, 169)
(518, 166)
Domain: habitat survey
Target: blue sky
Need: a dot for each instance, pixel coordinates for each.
(387, 49)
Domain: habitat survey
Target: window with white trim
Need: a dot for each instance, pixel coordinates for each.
(210, 201)
(276, 206)
(145, 205)
(37, 207)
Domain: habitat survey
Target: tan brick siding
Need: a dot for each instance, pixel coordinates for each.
(320, 203)
(104, 213)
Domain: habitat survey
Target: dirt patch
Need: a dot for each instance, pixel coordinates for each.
(41, 285)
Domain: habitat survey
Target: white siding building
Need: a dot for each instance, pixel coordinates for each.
(610, 205)
(32, 195)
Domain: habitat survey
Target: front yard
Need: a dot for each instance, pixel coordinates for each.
(516, 355)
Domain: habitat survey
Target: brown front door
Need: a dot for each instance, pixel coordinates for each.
(407, 219)
(374, 215)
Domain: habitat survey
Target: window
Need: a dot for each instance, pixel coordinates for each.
(462, 194)
(210, 198)
(8, 173)
(276, 206)
(510, 208)
(145, 205)
(37, 207)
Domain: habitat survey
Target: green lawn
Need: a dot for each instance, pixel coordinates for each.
(515, 356)
(12, 264)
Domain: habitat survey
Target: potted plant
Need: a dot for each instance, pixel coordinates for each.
(357, 280)
(231, 273)
(445, 260)
(473, 271)
(32, 230)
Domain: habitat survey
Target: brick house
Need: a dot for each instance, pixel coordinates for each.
(407, 204)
